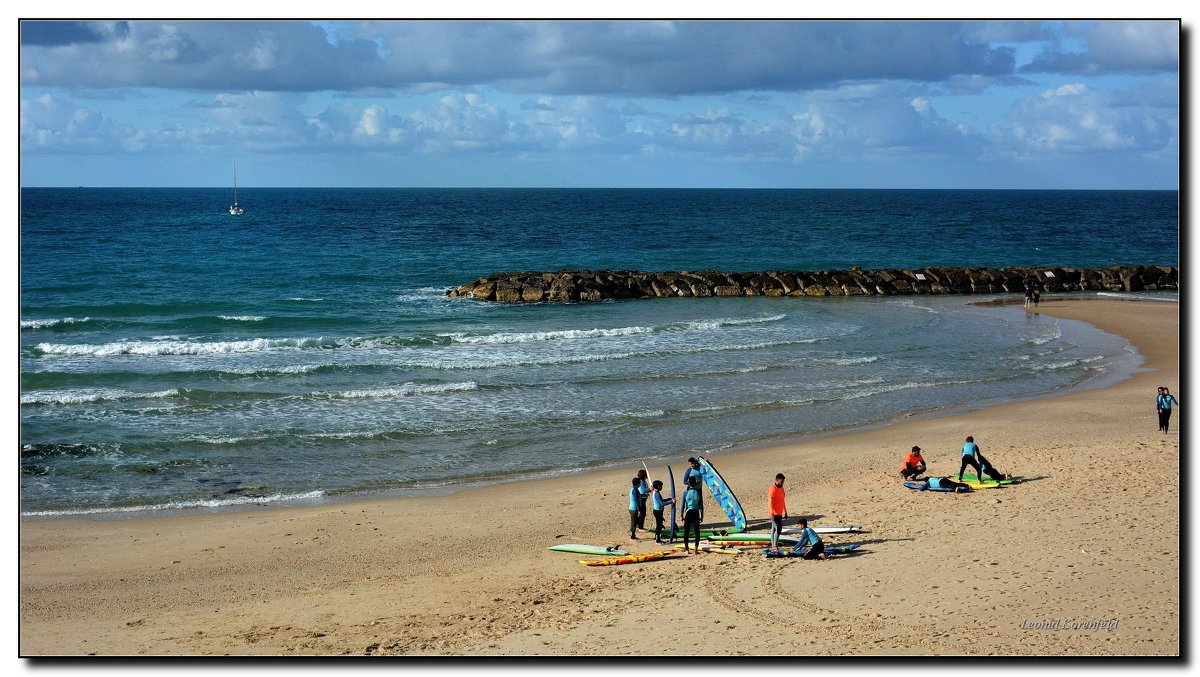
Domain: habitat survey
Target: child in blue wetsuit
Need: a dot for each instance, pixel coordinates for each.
(693, 512)
(658, 504)
(970, 457)
(643, 497)
(946, 483)
(635, 502)
(809, 543)
(693, 470)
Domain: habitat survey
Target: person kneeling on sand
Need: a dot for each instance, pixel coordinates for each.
(914, 464)
(808, 543)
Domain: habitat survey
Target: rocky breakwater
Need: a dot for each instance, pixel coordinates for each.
(566, 286)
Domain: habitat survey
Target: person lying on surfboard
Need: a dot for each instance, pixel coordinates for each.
(914, 464)
(946, 483)
(809, 543)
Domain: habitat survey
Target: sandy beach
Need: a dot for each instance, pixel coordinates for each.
(1080, 559)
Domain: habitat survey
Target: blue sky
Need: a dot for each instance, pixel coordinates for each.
(776, 104)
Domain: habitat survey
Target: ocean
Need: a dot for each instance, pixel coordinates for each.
(176, 358)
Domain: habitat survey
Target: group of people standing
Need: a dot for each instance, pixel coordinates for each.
(642, 493)
(1033, 296)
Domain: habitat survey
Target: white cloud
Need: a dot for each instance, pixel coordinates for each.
(1074, 118)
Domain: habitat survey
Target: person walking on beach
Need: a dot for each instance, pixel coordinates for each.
(808, 543)
(693, 512)
(643, 497)
(970, 453)
(659, 504)
(1037, 297)
(776, 508)
(914, 464)
(1028, 296)
(1163, 404)
(635, 500)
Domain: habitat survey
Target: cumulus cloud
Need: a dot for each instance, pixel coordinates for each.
(1074, 118)
(53, 125)
(1114, 47)
(546, 57)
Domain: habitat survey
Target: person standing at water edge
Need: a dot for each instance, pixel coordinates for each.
(635, 501)
(1163, 404)
(914, 464)
(970, 453)
(776, 508)
(1037, 297)
(693, 512)
(1028, 296)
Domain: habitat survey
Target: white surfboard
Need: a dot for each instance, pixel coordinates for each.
(582, 549)
(827, 529)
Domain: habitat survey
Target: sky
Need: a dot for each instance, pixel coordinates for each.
(525, 103)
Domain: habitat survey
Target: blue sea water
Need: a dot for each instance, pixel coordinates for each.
(173, 356)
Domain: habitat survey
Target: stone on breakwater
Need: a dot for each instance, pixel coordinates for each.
(595, 285)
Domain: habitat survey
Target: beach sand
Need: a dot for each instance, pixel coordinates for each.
(1092, 536)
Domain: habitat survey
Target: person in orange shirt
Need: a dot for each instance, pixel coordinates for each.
(775, 505)
(914, 464)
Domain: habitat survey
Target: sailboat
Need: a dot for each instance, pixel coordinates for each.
(234, 209)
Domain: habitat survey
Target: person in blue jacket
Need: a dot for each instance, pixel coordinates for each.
(659, 503)
(643, 497)
(970, 457)
(693, 470)
(945, 483)
(1163, 404)
(809, 543)
(693, 512)
(635, 502)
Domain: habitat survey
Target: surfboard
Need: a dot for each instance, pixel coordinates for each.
(923, 486)
(827, 529)
(829, 550)
(971, 477)
(755, 538)
(671, 481)
(582, 549)
(981, 485)
(709, 533)
(711, 547)
(724, 496)
(756, 544)
(627, 559)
